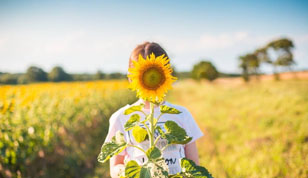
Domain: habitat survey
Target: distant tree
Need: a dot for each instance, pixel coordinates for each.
(22, 79)
(204, 70)
(8, 78)
(100, 75)
(83, 77)
(284, 56)
(262, 55)
(36, 74)
(58, 74)
(116, 75)
(244, 66)
(250, 65)
(183, 75)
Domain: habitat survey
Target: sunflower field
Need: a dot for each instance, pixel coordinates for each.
(56, 129)
(256, 130)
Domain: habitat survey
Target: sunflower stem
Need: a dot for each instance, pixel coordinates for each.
(152, 124)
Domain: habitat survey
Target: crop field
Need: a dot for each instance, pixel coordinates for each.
(57, 129)
(255, 130)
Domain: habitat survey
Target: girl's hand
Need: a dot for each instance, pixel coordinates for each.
(117, 167)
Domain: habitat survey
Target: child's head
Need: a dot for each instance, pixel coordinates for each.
(146, 49)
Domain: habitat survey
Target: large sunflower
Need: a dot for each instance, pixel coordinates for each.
(151, 77)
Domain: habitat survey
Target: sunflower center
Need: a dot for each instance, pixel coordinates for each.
(153, 78)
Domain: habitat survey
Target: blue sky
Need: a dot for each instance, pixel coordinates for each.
(86, 36)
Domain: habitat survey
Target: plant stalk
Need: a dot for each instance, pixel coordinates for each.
(151, 124)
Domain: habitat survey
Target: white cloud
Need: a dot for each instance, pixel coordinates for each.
(220, 41)
(87, 51)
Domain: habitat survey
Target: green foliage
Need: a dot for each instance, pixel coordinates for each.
(132, 121)
(22, 79)
(253, 130)
(190, 169)
(100, 75)
(139, 133)
(58, 74)
(157, 169)
(36, 74)
(53, 133)
(148, 170)
(281, 44)
(153, 153)
(249, 64)
(156, 166)
(168, 110)
(116, 75)
(284, 57)
(174, 133)
(204, 70)
(8, 78)
(145, 172)
(132, 169)
(133, 109)
(109, 149)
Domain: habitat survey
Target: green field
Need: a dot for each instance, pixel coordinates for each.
(251, 130)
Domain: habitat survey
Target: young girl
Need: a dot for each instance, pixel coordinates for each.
(173, 153)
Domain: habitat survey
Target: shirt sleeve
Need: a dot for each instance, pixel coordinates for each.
(114, 126)
(191, 127)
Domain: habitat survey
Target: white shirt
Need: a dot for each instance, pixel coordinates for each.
(173, 153)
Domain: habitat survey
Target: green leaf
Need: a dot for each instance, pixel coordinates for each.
(145, 172)
(175, 176)
(134, 109)
(132, 169)
(139, 133)
(132, 121)
(153, 153)
(174, 133)
(190, 169)
(158, 169)
(109, 149)
(168, 110)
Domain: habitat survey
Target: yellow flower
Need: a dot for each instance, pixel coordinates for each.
(151, 77)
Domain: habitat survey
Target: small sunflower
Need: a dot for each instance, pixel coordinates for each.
(151, 77)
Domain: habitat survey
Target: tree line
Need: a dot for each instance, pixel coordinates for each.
(277, 53)
(57, 74)
(203, 69)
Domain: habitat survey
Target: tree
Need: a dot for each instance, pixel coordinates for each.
(244, 66)
(284, 56)
(116, 75)
(8, 78)
(58, 74)
(250, 65)
(22, 79)
(262, 55)
(35, 74)
(100, 75)
(204, 70)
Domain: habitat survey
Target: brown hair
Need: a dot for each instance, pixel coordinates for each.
(146, 49)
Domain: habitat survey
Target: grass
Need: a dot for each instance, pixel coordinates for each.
(251, 130)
